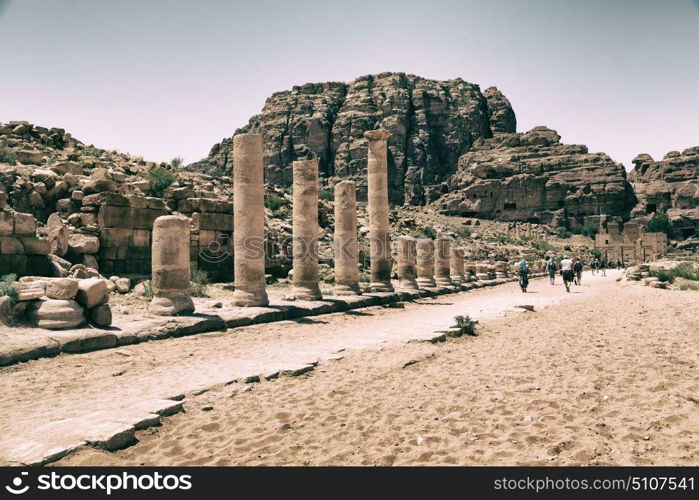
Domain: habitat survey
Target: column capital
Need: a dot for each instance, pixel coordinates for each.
(377, 135)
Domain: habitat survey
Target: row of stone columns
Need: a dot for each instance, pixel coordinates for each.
(421, 263)
(171, 233)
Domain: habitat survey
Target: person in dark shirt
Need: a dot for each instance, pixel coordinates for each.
(577, 271)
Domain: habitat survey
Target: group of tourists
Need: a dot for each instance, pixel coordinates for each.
(570, 270)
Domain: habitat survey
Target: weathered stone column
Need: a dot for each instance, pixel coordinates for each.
(407, 249)
(425, 263)
(379, 229)
(248, 221)
(346, 243)
(442, 261)
(170, 266)
(457, 266)
(305, 230)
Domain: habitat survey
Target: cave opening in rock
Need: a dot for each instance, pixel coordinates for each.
(510, 206)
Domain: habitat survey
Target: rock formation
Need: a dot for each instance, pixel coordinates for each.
(431, 124)
(671, 185)
(532, 176)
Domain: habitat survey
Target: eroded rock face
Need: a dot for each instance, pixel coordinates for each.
(532, 176)
(431, 124)
(672, 185)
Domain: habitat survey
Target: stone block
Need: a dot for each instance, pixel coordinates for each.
(92, 292)
(101, 315)
(63, 289)
(25, 224)
(36, 246)
(7, 223)
(10, 245)
(79, 243)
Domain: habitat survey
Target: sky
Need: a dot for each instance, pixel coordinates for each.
(160, 79)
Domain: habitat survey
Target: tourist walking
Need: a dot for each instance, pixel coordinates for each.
(523, 275)
(603, 267)
(577, 271)
(551, 266)
(567, 272)
(593, 267)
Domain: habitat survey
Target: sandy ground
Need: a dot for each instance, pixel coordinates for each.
(606, 375)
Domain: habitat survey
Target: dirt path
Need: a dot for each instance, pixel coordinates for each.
(65, 401)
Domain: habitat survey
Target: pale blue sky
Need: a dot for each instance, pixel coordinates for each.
(165, 78)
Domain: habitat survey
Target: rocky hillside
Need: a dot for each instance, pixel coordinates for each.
(532, 176)
(452, 146)
(432, 124)
(671, 185)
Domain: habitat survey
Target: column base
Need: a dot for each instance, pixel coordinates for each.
(244, 298)
(408, 284)
(443, 282)
(171, 306)
(426, 283)
(381, 286)
(305, 293)
(347, 289)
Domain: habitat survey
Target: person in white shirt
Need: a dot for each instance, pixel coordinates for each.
(567, 272)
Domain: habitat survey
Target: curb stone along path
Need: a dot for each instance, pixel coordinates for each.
(47, 343)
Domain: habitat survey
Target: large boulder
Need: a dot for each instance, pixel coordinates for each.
(58, 238)
(99, 182)
(55, 314)
(92, 292)
(101, 315)
(79, 243)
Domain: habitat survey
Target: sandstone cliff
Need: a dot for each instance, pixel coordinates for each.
(432, 124)
(671, 185)
(532, 176)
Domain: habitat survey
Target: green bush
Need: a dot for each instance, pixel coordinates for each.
(326, 195)
(177, 162)
(465, 325)
(660, 224)
(542, 245)
(463, 232)
(426, 232)
(364, 277)
(685, 270)
(6, 288)
(198, 281)
(93, 153)
(596, 253)
(160, 179)
(589, 230)
(7, 155)
(273, 202)
(563, 233)
(504, 238)
(148, 289)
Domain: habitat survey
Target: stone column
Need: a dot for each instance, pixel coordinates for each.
(346, 243)
(248, 221)
(379, 229)
(170, 266)
(442, 261)
(305, 230)
(457, 266)
(425, 263)
(407, 248)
